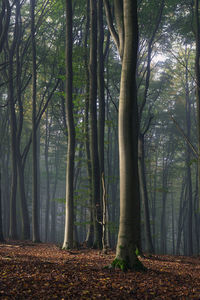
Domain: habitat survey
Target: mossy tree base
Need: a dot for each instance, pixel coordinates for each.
(124, 265)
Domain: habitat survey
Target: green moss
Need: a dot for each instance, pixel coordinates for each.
(120, 263)
(137, 252)
(121, 247)
(124, 266)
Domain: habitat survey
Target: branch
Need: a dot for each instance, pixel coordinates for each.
(194, 150)
(111, 27)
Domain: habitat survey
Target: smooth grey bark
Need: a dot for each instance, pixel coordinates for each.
(173, 227)
(196, 214)
(46, 154)
(142, 174)
(20, 161)
(53, 204)
(13, 129)
(188, 164)
(100, 81)
(163, 222)
(101, 122)
(197, 73)
(144, 194)
(35, 204)
(90, 233)
(93, 126)
(4, 22)
(129, 227)
(180, 219)
(69, 212)
(1, 223)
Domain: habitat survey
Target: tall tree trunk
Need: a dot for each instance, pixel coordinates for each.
(163, 229)
(100, 79)
(20, 162)
(197, 71)
(69, 213)
(129, 227)
(180, 219)
(35, 211)
(93, 124)
(53, 204)
(13, 129)
(46, 150)
(90, 234)
(144, 195)
(24, 208)
(188, 167)
(196, 215)
(5, 21)
(1, 223)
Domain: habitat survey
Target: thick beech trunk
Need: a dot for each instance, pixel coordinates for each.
(129, 227)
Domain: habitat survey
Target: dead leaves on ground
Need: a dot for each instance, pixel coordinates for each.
(43, 271)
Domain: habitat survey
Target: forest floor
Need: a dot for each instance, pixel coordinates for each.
(44, 271)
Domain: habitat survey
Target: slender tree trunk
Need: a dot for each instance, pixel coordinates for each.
(196, 215)
(20, 162)
(90, 234)
(53, 204)
(197, 71)
(154, 203)
(13, 129)
(188, 167)
(69, 213)
(163, 229)
(47, 179)
(144, 195)
(180, 219)
(93, 124)
(173, 233)
(100, 77)
(1, 223)
(35, 204)
(24, 208)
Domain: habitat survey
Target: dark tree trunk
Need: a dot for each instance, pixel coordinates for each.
(93, 125)
(144, 195)
(197, 71)
(13, 129)
(100, 77)
(1, 223)
(35, 204)
(24, 208)
(188, 161)
(46, 150)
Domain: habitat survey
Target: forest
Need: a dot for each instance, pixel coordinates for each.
(100, 148)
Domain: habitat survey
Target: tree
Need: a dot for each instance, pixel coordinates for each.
(35, 211)
(69, 213)
(1, 224)
(127, 43)
(93, 124)
(197, 73)
(4, 22)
